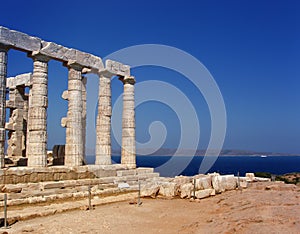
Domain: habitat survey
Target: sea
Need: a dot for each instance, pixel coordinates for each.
(170, 166)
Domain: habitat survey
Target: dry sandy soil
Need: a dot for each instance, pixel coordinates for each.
(261, 208)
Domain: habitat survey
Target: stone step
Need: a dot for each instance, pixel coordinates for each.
(136, 177)
(144, 170)
(29, 212)
(137, 171)
(55, 195)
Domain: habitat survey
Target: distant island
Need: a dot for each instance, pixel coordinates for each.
(201, 152)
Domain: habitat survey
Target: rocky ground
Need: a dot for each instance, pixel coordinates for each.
(271, 207)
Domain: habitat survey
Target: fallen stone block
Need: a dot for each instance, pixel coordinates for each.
(250, 176)
(229, 181)
(180, 180)
(260, 179)
(186, 190)
(244, 184)
(204, 182)
(222, 183)
(200, 194)
(149, 190)
(168, 189)
(217, 183)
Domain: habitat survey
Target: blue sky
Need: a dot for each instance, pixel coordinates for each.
(252, 49)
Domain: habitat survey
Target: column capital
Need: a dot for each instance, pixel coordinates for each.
(37, 56)
(73, 64)
(106, 73)
(127, 79)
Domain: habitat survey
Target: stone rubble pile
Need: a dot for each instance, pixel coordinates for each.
(198, 187)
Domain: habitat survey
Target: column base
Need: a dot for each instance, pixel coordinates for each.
(129, 166)
(103, 160)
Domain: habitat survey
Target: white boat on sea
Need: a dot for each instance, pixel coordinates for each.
(263, 156)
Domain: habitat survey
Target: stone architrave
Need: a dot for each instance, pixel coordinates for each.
(103, 124)
(36, 151)
(3, 69)
(74, 121)
(128, 156)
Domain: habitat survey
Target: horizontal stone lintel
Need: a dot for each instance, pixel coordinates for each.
(18, 40)
(114, 68)
(19, 80)
(65, 54)
(21, 41)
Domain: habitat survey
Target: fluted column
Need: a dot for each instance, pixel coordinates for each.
(3, 69)
(128, 156)
(103, 141)
(37, 113)
(74, 134)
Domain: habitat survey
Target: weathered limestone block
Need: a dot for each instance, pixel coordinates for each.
(149, 190)
(89, 60)
(225, 182)
(217, 183)
(186, 190)
(19, 80)
(117, 68)
(12, 188)
(261, 179)
(204, 193)
(144, 170)
(250, 176)
(169, 189)
(64, 54)
(230, 182)
(58, 52)
(126, 172)
(18, 40)
(204, 182)
(244, 184)
(52, 185)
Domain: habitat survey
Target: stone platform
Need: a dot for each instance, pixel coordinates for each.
(25, 186)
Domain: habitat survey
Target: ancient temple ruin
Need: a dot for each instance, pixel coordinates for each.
(28, 101)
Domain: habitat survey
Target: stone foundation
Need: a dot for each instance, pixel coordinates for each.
(35, 185)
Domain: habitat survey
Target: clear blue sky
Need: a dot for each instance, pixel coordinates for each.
(252, 49)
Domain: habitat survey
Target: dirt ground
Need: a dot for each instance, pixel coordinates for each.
(261, 208)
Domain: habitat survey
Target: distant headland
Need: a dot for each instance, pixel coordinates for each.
(201, 152)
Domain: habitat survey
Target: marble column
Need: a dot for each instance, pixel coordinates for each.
(36, 150)
(3, 69)
(103, 140)
(128, 156)
(74, 134)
